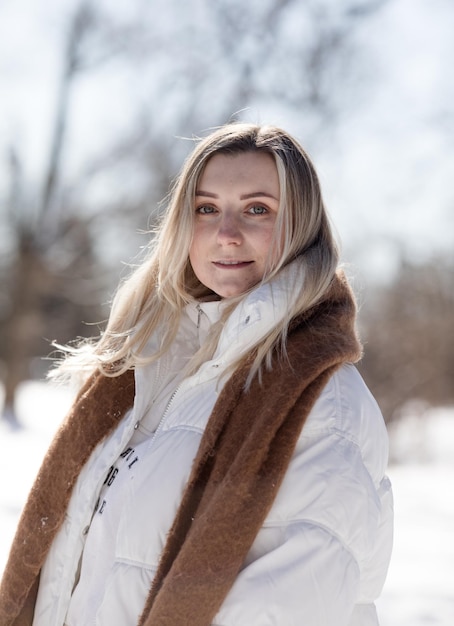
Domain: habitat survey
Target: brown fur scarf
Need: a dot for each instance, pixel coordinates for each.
(240, 464)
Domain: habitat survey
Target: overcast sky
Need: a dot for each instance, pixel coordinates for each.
(388, 174)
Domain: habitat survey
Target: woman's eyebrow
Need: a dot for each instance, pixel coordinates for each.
(257, 194)
(208, 194)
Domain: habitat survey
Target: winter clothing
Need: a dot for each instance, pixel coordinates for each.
(275, 525)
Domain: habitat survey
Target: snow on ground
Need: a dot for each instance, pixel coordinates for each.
(419, 590)
(40, 407)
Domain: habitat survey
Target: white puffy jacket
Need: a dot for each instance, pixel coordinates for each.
(322, 554)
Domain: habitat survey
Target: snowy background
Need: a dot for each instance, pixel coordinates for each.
(419, 590)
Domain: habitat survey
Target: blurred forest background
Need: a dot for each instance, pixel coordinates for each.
(100, 100)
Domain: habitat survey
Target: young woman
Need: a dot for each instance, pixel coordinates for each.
(224, 463)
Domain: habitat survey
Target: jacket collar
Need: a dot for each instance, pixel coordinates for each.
(260, 311)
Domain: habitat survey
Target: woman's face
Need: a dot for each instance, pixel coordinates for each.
(236, 206)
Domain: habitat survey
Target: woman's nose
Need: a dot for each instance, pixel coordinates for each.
(229, 231)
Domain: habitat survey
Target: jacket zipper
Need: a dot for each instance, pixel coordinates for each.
(164, 415)
(199, 315)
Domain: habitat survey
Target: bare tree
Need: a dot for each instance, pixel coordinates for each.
(409, 340)
(51, 249)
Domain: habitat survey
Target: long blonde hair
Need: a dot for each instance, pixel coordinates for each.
(156, 292)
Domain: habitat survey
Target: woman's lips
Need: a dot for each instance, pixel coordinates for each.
(231, 264)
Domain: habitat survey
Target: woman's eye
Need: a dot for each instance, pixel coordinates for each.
(205, 210)
(258, 210)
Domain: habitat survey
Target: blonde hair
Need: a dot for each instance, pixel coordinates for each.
(154, 295)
